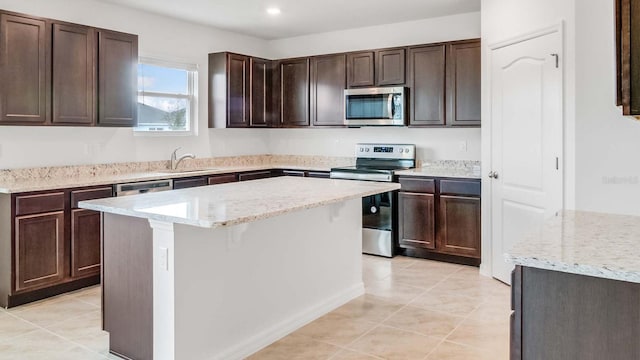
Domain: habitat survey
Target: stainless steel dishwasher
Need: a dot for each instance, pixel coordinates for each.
(142, 187)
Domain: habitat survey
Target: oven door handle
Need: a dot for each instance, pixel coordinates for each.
(390, 106)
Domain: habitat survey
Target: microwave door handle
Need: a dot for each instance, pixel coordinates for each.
(390, 106)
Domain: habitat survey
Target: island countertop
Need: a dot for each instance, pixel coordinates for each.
(237, 203)
(584, 243)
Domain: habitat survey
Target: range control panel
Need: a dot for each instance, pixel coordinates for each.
(386, 151)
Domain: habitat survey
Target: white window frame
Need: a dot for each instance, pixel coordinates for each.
(192, 97)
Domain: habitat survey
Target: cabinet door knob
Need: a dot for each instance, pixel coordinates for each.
(493, 174)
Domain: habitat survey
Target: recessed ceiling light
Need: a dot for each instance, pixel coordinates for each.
(273, 11)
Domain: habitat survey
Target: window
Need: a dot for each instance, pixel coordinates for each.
(166, 97)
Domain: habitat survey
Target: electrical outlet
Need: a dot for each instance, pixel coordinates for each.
(163, 258)
(0, 150)
(462, 146)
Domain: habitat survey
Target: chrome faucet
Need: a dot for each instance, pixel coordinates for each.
(175, 161)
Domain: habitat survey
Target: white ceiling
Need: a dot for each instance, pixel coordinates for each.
(299, 17)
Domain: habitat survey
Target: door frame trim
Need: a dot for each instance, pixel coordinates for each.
(486, 265)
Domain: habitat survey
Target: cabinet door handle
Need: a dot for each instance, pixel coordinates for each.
(493, 174)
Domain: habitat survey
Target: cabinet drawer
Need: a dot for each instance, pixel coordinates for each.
(418, 185)
(460, 187)
(222, 179)
(189, 183)
(255, 175)
(34, 204)
(89, 194)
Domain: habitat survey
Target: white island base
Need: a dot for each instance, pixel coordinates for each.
(227, 292)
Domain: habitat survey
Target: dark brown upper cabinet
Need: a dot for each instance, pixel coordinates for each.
(376, 68)
(239, 90)
(628, 56)
(427, 85)
(74, 78)
(260, 93)
(360, 69)
(328, 81)
(294, 92)
(238, 85)
(117, 79)
(25, 76)
(463, 83)
(390, 67)
(58, 73)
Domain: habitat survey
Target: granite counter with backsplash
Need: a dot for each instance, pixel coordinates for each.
(468, 169)
(59, 177)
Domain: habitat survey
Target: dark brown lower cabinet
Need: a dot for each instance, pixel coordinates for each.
(459, 226)
(85, 243)
(254, 175)
(40, 250)
(562, 316)
(48, 245)
(417, 227)
(440, 218)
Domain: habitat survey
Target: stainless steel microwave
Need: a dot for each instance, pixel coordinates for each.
(375, 106)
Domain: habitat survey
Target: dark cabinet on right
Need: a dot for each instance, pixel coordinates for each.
(444, 84)
(463, 83)
(440, 218)
(628, 56)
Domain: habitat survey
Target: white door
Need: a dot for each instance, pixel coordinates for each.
(526, 140)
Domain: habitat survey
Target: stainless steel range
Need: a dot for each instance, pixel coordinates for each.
(377, 162)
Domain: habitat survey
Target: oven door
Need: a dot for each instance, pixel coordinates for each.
(378, 224)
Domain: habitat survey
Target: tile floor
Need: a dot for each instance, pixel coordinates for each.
(412, 309)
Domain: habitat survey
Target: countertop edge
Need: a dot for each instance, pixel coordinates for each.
(237, 221)
(577, 269)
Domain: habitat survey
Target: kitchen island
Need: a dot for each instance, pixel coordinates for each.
(576, 289)
(219, 272)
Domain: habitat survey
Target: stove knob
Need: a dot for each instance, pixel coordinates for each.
(367, 150)
(373, 209)
(406, 150)
(361, 149)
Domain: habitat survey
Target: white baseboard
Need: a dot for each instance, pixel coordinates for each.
(287, 326)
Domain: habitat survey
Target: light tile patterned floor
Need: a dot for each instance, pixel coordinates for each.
(413, 309)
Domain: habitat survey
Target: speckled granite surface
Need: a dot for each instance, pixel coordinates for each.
(446, 168)
(49, 178)
(585, 243)
(236, 203)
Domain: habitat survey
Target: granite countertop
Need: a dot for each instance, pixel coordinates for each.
(584, 243)
(450, 168)
(39, 179)
(237, 203)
